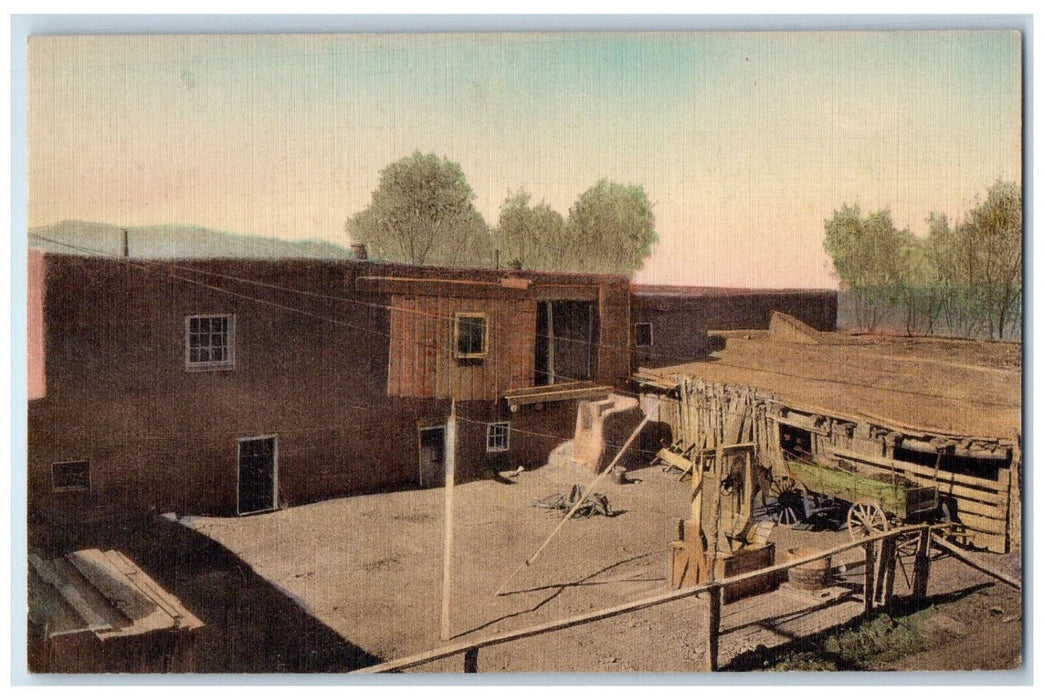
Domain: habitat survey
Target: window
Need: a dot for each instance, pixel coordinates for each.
(470, 334)
(209, 342)
(643, 335)
(497, 436)
(71, 476)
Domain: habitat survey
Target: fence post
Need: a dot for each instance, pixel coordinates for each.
(886, 567)
(869, 592)
(710, 600)
(922, 564)
(471, 660)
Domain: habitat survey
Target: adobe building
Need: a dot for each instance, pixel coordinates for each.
(672, 323)
(239, 386)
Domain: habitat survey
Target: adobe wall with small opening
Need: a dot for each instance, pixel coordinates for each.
(311, 366)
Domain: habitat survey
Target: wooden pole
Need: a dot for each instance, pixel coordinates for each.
(447, 542)
(579, 502)
(868, 577)
(887, 567)
(709, 602)
(471, 660)
(964, 557)
(922, 564)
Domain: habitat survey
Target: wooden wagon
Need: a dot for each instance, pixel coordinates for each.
(875, 502)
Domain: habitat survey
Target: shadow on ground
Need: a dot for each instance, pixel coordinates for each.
(251, 626)
(823, 652)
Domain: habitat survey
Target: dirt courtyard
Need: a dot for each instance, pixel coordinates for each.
(370, 568)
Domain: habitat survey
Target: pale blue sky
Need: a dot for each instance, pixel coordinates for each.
(745, 142)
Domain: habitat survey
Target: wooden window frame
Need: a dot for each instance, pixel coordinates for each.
(71, 489)
(230, 343)
(643, 345)
(492, 433)
(457, 318)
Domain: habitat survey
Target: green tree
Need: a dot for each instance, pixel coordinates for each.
(531, 235)
(422, 213)
(611, 228)
(871, 258)
(991, 248)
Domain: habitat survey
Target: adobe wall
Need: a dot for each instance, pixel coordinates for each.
(311, 369)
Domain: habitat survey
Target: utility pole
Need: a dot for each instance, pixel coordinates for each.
(447, 542)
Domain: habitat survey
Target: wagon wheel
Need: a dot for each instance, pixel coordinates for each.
(789, 506)
(866, 518)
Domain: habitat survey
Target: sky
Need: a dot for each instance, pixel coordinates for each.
(745, 143)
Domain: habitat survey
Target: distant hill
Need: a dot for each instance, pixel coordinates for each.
(174, 241)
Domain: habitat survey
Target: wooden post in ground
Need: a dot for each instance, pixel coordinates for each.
(709, 602)
(869, 578)
(471, 660)
(447, 541)
(886, 571)
(922, 564)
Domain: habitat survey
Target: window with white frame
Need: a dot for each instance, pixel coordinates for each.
(470, 335)
(210, 341)
(497, 436)
(71, 476)
(643, 337)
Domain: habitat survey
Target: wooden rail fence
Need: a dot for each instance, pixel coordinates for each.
(881, 553)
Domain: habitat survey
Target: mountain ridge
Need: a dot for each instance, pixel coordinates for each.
(174, 241)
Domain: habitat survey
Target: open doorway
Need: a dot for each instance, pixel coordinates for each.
(257, 485)
(566, 333)
(432, 455)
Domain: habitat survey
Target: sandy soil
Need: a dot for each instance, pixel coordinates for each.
(370, 568)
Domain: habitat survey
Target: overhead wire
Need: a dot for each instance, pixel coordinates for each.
(596, 344)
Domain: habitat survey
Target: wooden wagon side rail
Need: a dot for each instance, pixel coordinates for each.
(982, 504)
(880, 575)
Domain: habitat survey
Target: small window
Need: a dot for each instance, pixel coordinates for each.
(497, 436)
(470, 334)
(71, 476)
(643, 335)
(210, 342)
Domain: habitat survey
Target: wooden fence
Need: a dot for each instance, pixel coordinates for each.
(880, 553)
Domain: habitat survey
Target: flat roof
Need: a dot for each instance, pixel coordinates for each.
(935, 385)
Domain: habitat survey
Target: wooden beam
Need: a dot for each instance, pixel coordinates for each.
(557, 392)
(633, 606)
(869, 578)
(580, 501)
(944, 476)
(977, 565)
(922, 564)
(447, 542)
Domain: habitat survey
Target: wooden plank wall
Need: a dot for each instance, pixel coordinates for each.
(421, 359)
(614, 332)
(706, 411)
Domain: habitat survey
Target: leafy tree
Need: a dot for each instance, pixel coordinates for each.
(533, 236)
(970, 274)
(611, 228)
(422, 213)
(991, 241)
(870, 257)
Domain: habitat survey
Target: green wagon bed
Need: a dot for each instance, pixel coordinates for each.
(873, 498)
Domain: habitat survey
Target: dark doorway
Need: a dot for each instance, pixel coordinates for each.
(796, 443)
(566, 333)
(432, 456)
(258, 477)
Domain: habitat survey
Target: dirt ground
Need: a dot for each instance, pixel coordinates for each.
(369, 568)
